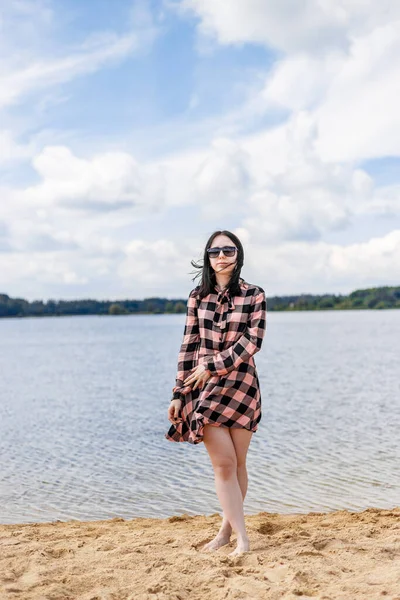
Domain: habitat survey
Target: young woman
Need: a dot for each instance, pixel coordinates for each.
(217, 399)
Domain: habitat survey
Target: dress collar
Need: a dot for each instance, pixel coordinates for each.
(225, 295)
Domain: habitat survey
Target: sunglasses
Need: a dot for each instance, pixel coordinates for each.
(226, 250)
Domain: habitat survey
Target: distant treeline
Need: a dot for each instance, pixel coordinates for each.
(376, 298)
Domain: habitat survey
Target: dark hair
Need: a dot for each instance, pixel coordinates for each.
(208, 280)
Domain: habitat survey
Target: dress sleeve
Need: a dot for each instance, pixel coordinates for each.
(188, 350)
(248, 344)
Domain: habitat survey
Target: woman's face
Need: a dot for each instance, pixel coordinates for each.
(223, 264)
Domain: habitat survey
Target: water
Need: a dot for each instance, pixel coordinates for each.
(83, 412)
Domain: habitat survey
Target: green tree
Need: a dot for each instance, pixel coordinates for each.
(179, 307)
(117, 309)
(169, 307)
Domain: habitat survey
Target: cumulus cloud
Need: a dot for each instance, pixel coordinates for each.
(162, 267)
(222, 178)
(352, 97)
(359, 116)
(327, 268)
(290, 26)
(152, 263)
(341, 61)
(109, 181)
(385, 201)
(298, 196)
(335, 80)
(309, 75)
(37, 270)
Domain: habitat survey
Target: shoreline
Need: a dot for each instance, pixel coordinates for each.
(271, 310)
(320, 555)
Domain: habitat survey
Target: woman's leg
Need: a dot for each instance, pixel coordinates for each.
(241, 440)
(221, 449)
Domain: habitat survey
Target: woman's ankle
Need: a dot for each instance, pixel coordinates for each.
(225, 530)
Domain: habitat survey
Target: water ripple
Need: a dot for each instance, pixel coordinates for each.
(82, 433)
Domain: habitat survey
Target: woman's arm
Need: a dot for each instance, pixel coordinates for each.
(248, 344)
(188, 350)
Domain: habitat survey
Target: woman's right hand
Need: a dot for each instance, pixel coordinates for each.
(173, 411)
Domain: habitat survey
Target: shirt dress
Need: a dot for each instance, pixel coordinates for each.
(223, 332)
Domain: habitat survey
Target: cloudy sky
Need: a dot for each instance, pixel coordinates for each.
(131, 130)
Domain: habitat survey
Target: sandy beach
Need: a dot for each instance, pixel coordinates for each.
(324, 556)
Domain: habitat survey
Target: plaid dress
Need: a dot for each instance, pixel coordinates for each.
(223, 332)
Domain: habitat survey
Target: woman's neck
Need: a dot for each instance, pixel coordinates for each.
(222, 283)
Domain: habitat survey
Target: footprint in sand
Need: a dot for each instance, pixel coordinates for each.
(268, 528)
(277, 574)
(329, 544)
(56, 552)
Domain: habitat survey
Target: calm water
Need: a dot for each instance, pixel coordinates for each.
(83, 412)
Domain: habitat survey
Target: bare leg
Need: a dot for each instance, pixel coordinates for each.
(241, 472)
(241, 440)
(221, 447)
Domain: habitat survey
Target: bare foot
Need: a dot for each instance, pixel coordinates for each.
(243, 545)
(220, 540)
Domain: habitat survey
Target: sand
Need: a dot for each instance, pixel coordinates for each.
(325, 556)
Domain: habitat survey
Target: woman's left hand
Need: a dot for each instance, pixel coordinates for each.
(199, 375)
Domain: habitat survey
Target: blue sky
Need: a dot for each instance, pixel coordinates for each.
(130, 131)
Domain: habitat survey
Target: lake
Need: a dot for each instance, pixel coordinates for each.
(83, 413)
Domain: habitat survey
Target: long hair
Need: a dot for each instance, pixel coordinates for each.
(207, 273)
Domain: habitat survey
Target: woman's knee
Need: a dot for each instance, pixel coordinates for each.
(241, 464)
(221, 450)
(225, 467)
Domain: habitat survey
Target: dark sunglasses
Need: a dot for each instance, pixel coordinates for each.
(227, 251)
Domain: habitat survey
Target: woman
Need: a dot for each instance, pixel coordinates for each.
(216, 399)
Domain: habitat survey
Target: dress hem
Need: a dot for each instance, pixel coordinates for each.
(197, 436)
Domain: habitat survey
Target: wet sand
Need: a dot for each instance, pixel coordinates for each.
(326, 556)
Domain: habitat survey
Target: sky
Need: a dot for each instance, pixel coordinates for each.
(130, 131)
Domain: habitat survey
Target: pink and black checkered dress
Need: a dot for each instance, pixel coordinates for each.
(224, 333)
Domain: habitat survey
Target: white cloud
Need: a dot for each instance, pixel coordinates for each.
(326, 268)
(40, 269)
(351, 97)
(152, 263)
(294, 194)
(40, 74)
(34, 63)
(163, 267)
(300, 81)
(11, 150)
(280, 24)
(110, 181)
(341, 61)
(359, 116)
(30, 37)
(290, 26)
(378, 259)
(276, 182)
(222, 179)
(293, 198)
(286, 186)
(385, 201)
